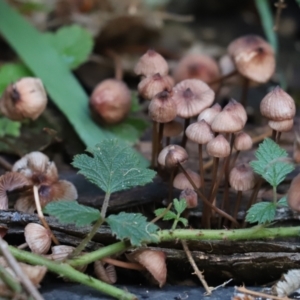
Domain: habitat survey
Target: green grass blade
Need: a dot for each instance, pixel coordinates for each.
(45, 63)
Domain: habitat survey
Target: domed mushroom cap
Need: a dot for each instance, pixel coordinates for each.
(151, 63)
(197, 66)
(152, 85)
(190, 197)
(231, 119)
(199, 132)
(253, 57)
(172, 128)
(176, 153)
(293, 196)
(181, 182)
(278, 105)
(281, 126)
(162, 107)
(242, 141)
(192, 96)
(209, 114)
(218, 147)
(242, 177)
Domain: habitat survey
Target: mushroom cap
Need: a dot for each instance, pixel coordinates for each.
(210, 113)
(278, 105)
(242, 177)
(172, 129)
(152, 85)
(199, 132)
(190, 197)
(177, 154)
(296, 152)
(254, 58)
(162, 107)
(218, 147)
(281, 126)
(192, 96)
(197, 66)
(181, 182)
(293, 196)
(110, 101)
(151, 63)
(242, 141)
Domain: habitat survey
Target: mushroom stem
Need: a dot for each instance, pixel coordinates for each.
(274, 133)
(117, 63)
(23, 246)
(237, 204)
(234, 159)
(245, 88)
(201, 170)
(5, 164)
(222, 78)
(278, 137)
(41, 215)
(172, 175)
(204, 199)
(184, 137)
(168, 141)
(160, 136)
(123, 264)
(154, 144)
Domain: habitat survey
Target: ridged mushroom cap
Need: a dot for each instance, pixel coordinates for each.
(242, 177)
(242, 141)
(209, 114)
(192, 96)
(199, 132)
(278, 105)
(176, 154)
(254, 58)
(281, 126)
(218, 147)
(181, 182)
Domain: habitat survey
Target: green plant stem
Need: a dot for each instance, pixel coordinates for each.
(275, 195)
(99, 254)
(10, 281)
(95, 227)
(64, 270)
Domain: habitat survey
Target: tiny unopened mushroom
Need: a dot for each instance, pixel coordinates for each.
(105, 272)
(38, 238)
(190, 197)
(177, 155)
(110, 101)
(154, 261)
(293, 196)
(24, 99)
(218, 147)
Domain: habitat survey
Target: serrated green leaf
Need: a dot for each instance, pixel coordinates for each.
(263, 212)
(184, 221)
(73, 43)
(180, 205)
(71, 212)
(133, 226)
(10, 73)
(168, 216)
(113, 167)
(283, 202)
(9, 128)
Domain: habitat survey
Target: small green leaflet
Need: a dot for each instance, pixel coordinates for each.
(271, 162)
(71, 212)
(113, 167)
(133, 226)
(9, 73)
(180, 205)
(9, 128)
(170, 215)
(283, 202)
(73, 43)
(262, 212)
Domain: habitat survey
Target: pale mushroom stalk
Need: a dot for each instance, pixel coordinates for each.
(160, 136)
(41, 215)
(214, 176)
(237, 204)
(204, 199)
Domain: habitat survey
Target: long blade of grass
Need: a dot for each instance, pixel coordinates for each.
(45, 63)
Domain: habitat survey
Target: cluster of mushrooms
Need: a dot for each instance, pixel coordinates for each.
(191, 94)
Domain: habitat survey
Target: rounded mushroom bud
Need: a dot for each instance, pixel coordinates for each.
(171, 155)
(172, 129)
(197, 66)
(278, 105)
(218, 147)
(192, 96)
(105, 272)
(199, 132)
(152, 85)
(38, 238)
(181, 182)
(242, 177)
(209, 114)
(190, 197)
(162, 108)
(26, 98)
(293, 196)
(242, 141)
(281, 126)
(253, 57)
(110, 101)
(154, 261)
(151, 63)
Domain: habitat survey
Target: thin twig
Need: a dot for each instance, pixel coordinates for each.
(280, 5)
(28, 285)
(162, 214)
(117, 63)
(5, 164)
(41, 215)
(242, 289)
(194, 266)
